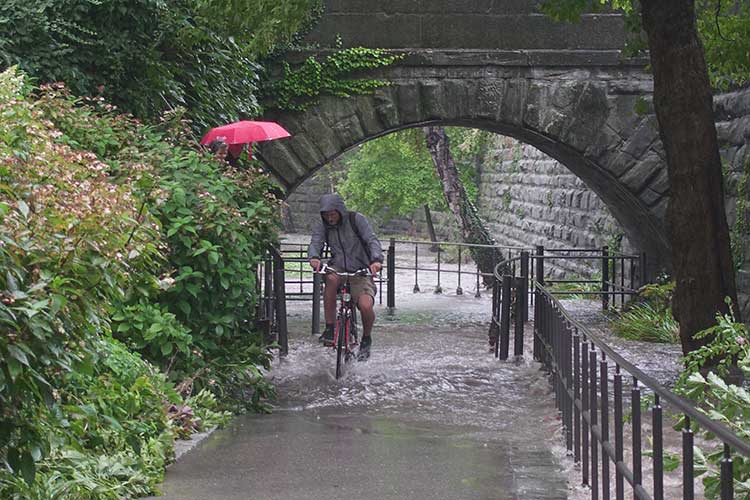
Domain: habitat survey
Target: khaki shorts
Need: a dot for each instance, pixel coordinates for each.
(360, 285)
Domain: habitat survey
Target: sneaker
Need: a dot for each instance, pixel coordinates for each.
(364, 349)
(327, 336)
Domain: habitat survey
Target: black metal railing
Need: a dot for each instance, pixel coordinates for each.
(270, 311)
(304, 285)
(419, 248)
(620, 274)
(512, 292)
(582, 367)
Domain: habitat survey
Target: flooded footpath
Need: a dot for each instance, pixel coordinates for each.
(432, 415)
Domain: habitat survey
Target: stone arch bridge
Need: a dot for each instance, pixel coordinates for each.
(500, 66)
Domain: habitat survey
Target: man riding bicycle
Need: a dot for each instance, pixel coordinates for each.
(353, 246)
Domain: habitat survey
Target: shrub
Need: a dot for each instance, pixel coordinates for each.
(720, 400)
(194, 302)
(648, 317)
(150, 56)
(64, 249)
(94, 233)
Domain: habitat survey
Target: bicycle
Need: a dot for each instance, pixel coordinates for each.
(345, 329)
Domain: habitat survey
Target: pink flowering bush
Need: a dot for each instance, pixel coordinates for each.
(126, 265)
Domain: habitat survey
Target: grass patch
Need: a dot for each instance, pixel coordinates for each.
(648, 317)
(648, 323)
(556, 288)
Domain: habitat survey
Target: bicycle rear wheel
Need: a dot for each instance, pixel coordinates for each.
(340, 346)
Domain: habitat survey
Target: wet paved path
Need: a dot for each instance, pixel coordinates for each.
(432, 415)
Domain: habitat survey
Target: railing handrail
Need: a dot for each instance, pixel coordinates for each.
(459, 244)
(505, 263)
(717, 428)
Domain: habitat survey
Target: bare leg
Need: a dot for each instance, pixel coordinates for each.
(365, 305)
(329, 298)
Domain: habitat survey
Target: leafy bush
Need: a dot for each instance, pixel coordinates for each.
(648, 323)
(95, 232)
(110, 435)
(727, 403)
(153, 331)
(648, 316)
(150, 56)
(64, 249)
(196, 303)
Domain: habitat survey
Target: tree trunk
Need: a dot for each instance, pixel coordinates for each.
(431, 228)
(698, 228)
(473, 229)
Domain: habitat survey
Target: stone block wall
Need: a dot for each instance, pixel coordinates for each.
(733, 130)
(464, 24)
(529, 199)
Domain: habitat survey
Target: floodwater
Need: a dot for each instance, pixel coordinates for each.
(431, 415)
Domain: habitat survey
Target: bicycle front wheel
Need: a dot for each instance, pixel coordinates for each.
(340, 346)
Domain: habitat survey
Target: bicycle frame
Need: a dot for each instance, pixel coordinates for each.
(344, 338)
(344, 334)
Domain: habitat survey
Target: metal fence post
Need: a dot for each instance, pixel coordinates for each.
(505, 319)
(268, 289)
(518, 332)
(391, 273)
(316, 304)
(538, 324)
(459, 290)
(525, 285)
(605, 278)
(540, 264)
(495, 323)
(438, 288)
(416, 268)
(644, 273)
(280, 296)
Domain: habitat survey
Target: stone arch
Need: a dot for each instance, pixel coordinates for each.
(584, 117)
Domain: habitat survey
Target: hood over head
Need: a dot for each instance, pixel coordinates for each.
(330, 202)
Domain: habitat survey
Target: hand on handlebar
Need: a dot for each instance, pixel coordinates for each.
(375, 268)
(315, 264)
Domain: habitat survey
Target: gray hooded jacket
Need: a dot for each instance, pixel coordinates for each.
(347, 251)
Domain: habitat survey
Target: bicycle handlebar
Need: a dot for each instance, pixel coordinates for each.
(325, 268)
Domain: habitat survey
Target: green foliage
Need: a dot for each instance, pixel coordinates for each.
(646, 322)
(394, 175)
(648, 316)
(264, 23)
(741, 230)
(301, 87)
(725, 31)
(110, 437)
(215, 221)
(153, 331)
(148, 56)
(66, 234)
(507, 198)
(94, 234)
(724, 28)
(727, 345)
(721, 401)
(574, 287)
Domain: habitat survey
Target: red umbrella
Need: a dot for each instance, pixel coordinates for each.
(244, 132)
